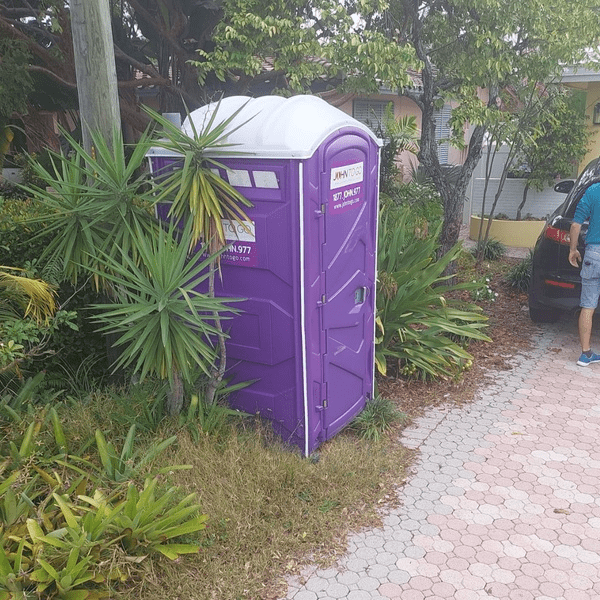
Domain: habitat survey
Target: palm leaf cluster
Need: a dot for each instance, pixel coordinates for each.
(96, 201)
(196, 191)
(100, 205)
(421, 330)
(33, 297)
(164, 325)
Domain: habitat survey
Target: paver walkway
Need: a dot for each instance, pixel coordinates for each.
(504, 501)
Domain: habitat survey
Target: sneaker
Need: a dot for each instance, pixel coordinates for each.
(584, 360)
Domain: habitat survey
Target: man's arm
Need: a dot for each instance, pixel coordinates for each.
(574, 256)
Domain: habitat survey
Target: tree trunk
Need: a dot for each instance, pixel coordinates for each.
(453, 194)
(511, 154)
(489, 165)
(95, 69)
(175, 395)
(520, 208)
(218, 369)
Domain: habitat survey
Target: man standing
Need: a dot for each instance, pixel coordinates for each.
(587, 209)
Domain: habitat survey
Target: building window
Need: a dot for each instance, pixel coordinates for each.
(371, 113)
(443, 132)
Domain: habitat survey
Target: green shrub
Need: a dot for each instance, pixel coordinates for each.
(422, 331)
(492, 249)
(22, 242)
(17, 244)
(519, 276)
(11, 191)
(379, 415)
(400, 135)
(83, 351)
(422, 197)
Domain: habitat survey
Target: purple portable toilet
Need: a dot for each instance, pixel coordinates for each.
(306, 264)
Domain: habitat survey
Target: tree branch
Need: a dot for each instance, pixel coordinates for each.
(144, 82)
(136, 64)
(151, 21)
(53, 75)
(36, 49)
(43, 33)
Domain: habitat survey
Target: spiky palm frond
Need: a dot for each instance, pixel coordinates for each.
(195, 191)
(164, 324)
(35, 297)
(90, 197)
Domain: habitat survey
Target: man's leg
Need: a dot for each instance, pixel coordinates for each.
(585, 328)
(590, 292)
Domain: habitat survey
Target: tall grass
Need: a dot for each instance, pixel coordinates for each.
(269, 509)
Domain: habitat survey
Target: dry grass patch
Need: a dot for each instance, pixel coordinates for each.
(270, 510)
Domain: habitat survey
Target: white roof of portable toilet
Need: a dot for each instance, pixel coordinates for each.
(272, 126)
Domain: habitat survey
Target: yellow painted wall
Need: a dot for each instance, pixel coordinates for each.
(516, 234)
(593, 97)
(592, 91)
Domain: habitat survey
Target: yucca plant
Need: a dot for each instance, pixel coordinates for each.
(95, 202)
(100, 213)
(419, 327)
(195, 191)
(164, 326)
(199, 195)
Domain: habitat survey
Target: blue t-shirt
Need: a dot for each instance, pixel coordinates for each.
(589, 208)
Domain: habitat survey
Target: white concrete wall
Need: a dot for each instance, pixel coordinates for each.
(12, 175)
(539, 204)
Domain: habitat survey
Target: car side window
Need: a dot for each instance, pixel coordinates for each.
(572, 204)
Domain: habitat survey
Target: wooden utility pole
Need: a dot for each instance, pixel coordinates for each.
(95, 69)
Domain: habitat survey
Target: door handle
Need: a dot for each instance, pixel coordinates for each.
(360, 294)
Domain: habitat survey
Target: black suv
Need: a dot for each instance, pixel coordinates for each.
(555, 285)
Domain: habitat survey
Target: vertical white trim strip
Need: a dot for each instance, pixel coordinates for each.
(303, 305)
(375, 266)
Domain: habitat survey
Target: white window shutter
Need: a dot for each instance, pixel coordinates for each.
(371, 113)
(442, 132)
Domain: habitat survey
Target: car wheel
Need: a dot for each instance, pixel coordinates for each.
(543, 314)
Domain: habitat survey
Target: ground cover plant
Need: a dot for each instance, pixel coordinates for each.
(423, 323)
(520, 274)
(71, 529)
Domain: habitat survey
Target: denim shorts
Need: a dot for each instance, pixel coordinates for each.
(590, 277)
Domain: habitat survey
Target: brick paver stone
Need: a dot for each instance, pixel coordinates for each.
(504, 501)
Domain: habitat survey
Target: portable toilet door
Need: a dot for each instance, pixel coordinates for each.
(340, 189)
(305, 263)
